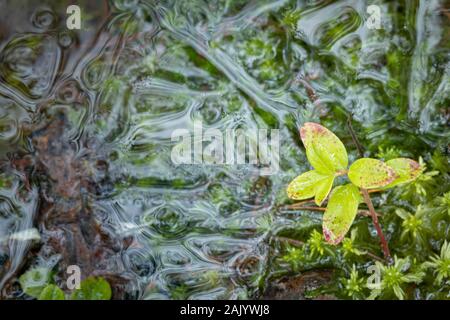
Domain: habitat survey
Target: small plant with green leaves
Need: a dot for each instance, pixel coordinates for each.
(92, 288)
(34, 281)
(440, 264)
(414, 228)
(355, 285)
(328, 156)
(444, 203)
(395, 277)
(316, 245)
(294, 256)
(348, 246)
(39, 283)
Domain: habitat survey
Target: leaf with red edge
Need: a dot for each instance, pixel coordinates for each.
(324, 150)
(310, 184)
(407, 170)
(371, 173)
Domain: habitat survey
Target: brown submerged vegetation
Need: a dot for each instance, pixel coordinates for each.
(66, 216)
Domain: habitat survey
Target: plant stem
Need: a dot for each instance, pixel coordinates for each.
(301, 207)
(365, 213)
(312, 208)
(354, 137)
(300, 203)
(375, 257)
(309, 90)
(294, 242)
(341, 173)
(374, 190)
(384, 244)
(365, 193)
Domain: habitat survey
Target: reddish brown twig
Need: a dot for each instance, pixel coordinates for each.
(294, 242)
(367, 200)
(384, 244)
(374, 256)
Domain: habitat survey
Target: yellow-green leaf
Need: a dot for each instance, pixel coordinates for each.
(303, 187)
(52, 292)
(93, 289)
(340, 213)
(310, 184)
(324, 150)
(407, 170)
(370, 173)
(322, 189)
(34, 281)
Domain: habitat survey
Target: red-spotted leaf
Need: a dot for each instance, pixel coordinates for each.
(324, 150)
(340, 213)
(370, 173)
(407, 170)
(310, 184)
